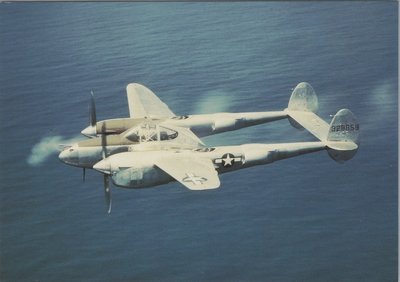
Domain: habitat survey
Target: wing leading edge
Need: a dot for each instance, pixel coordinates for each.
(143, 103)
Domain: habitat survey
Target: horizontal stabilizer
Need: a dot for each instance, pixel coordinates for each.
(342, 145)
(311, 122)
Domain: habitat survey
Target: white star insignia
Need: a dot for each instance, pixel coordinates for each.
(228, 160)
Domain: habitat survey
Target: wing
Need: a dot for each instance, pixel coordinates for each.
(143, 102)
(195, 174)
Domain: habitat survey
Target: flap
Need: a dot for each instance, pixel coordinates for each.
(195, 174)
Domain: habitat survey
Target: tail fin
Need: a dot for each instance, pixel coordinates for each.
(302, 109)
(342, 139)
(303, 99)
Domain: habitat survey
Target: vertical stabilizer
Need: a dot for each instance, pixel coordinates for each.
(303, 99)
(342, 140)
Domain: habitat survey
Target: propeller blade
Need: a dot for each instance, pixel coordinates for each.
(93, 119)
(107, 193)
(91, 131)
(84, 174)
(103, 141)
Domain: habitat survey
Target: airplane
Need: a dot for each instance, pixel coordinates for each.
(147, 112)
(159, 153)
(148, 115)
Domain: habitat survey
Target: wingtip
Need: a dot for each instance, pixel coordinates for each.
(133, 85)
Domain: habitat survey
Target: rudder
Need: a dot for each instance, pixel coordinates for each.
(303, 99)
(342, 139)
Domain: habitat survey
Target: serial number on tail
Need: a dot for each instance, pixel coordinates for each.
(345, 127)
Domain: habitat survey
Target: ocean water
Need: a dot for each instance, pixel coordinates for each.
(303, 219)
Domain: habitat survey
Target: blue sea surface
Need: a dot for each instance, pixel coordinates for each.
(303, 219)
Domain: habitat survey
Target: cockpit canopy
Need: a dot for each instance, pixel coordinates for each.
(151, 132)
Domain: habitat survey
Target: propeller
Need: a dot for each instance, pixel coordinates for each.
(107, 189)
(92, 120)
(103, 142)
(107, 192)
(91, 131)
(104, 167)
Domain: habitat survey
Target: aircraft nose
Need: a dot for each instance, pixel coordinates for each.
(63, 156)
(69, 156)
(103, 166)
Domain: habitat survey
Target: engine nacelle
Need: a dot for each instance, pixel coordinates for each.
(140, 177)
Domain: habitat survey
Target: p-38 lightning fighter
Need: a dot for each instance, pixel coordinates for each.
(151, 120)
(156, 150)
